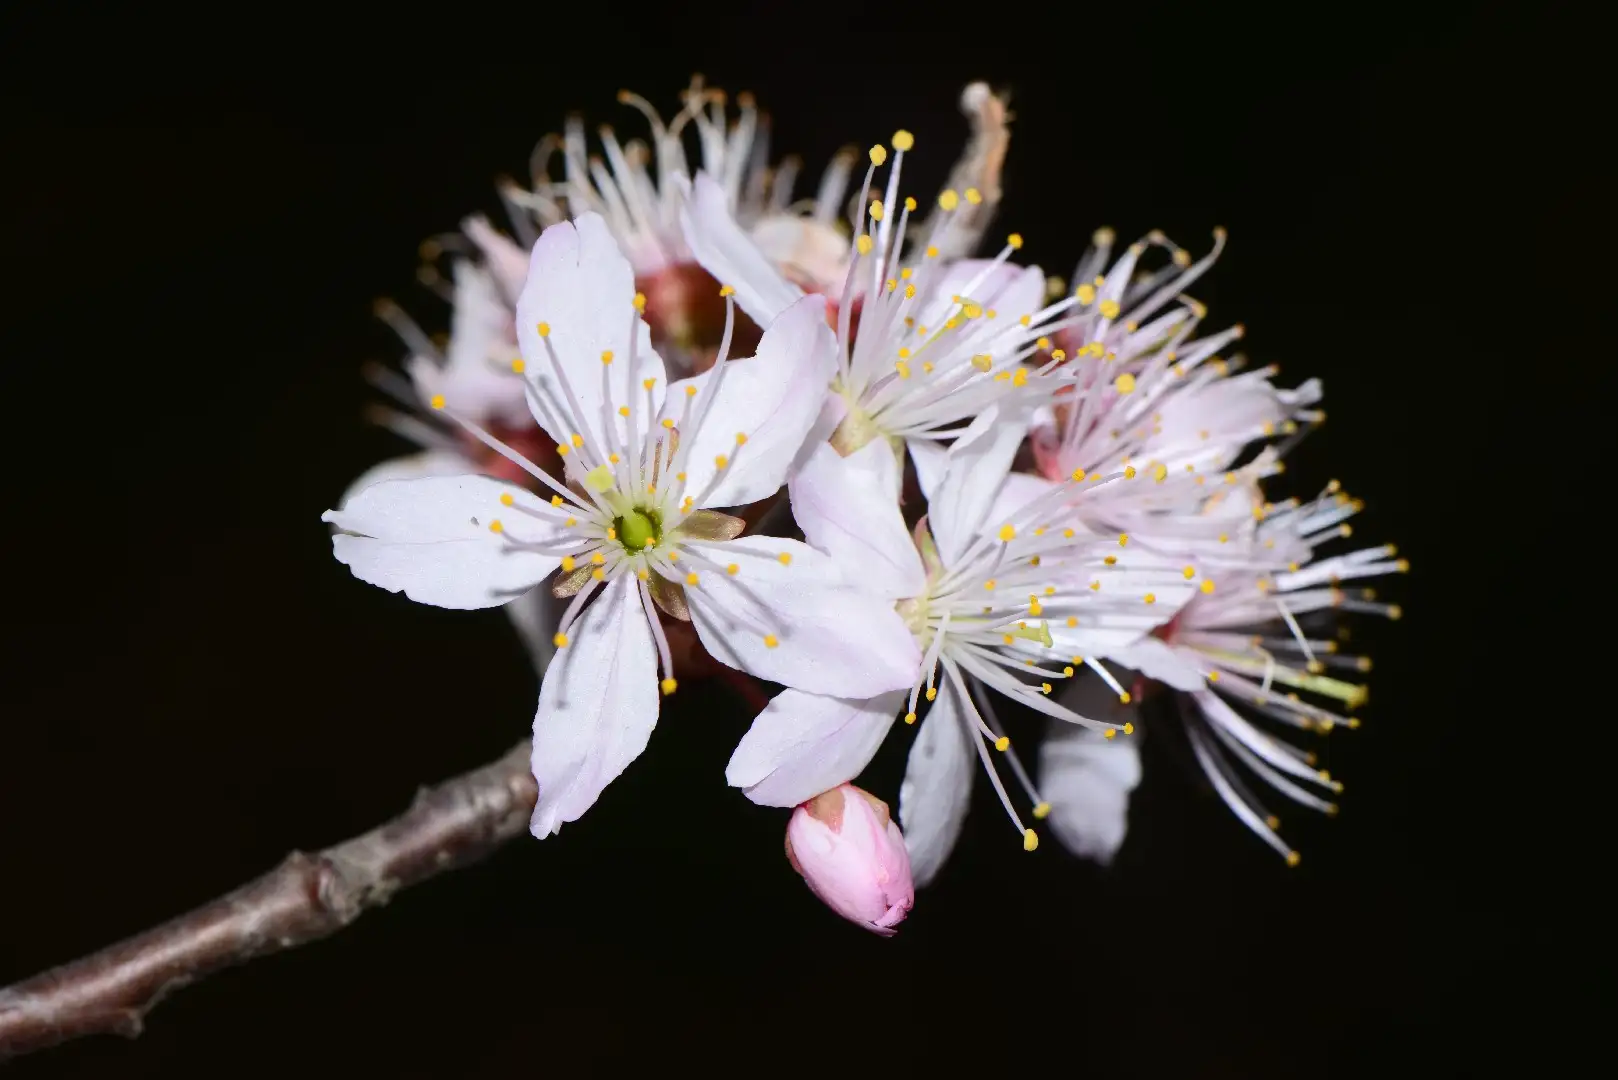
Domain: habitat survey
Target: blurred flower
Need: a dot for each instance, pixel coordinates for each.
(853, 857)
(1000, 593)
(620, 521)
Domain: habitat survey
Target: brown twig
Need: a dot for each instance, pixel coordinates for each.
(304, 899)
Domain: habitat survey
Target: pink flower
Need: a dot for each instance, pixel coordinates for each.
(853, 857)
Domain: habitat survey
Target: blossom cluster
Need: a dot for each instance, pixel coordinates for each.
(1010, 492)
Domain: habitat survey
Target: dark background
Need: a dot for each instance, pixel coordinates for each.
(203, 212)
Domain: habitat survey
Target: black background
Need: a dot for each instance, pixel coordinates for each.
(204, 209)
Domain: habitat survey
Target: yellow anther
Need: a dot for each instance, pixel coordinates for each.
(1008, 639)
(1292, 858)
(556, 500)
(1125, 383)
(727, 290)
(876, 210)
(598, 559)
(495, 526)
(544, 329)
(1086, 294)
(910, 292)
(1160, 473)
(932, 692)
(1123, 539)
(668, 424)
(1002, 744)
(613, 458)
(1044, 687)
(932, 251)
(948, 200)
(903, 369)
(1151, 598)
(1124, 698)
(989, 584)
(732, 568)
(691, 580)
(879, 154)
(506, 499)
(598, 574)
(1109, 309)
(647, 384)
(640, 301)
(1007, 533)
(1109, 734)
(1030, 840)
(1015, 241)
(864, 244)
(606, 356)
(518, 366)
(674, 556)
(741, 438)
(974, 196)
(437, 401)
(971, 310)
(1035, 608)
(983, 362)
(1072, 621)
(570, 522)
(720, 461)
(668, 686)
(623, 410)
(785, 558)
(560, 640)
(910, 718)
(1042, 811)
(910, 204)
(577, 440)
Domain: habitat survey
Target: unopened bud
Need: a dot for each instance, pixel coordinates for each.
(853, 857)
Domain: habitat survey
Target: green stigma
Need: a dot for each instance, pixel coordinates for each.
(639, 529)
(1040, 634)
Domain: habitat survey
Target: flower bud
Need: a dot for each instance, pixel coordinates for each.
(853, 857)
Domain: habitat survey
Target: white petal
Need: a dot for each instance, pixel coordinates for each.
(937, 786)
(1087, 778)
(430, 538)
(505, 259)
(726, 252)
(534, 615)
(978, 464)
(813, 251)
(931, 458)
(774, 397)
(831, 639)
(1017, 490)
(845, 507)
(803, 744)
(1156, 660)
(410, 467)
(582, 287)
(477, 380)
(597, 706)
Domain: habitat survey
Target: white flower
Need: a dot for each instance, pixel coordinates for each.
(1138, 391)
(1242, 644)
(1001, 592)
(631, 519)
(937, 342)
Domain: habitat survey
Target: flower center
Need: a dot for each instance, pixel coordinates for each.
(639, 528)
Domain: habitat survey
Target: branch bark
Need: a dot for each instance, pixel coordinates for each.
(304, 899)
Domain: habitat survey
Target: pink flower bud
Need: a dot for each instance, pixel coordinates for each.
(853, 857)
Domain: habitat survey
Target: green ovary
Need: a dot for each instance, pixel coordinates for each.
(639, 529)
